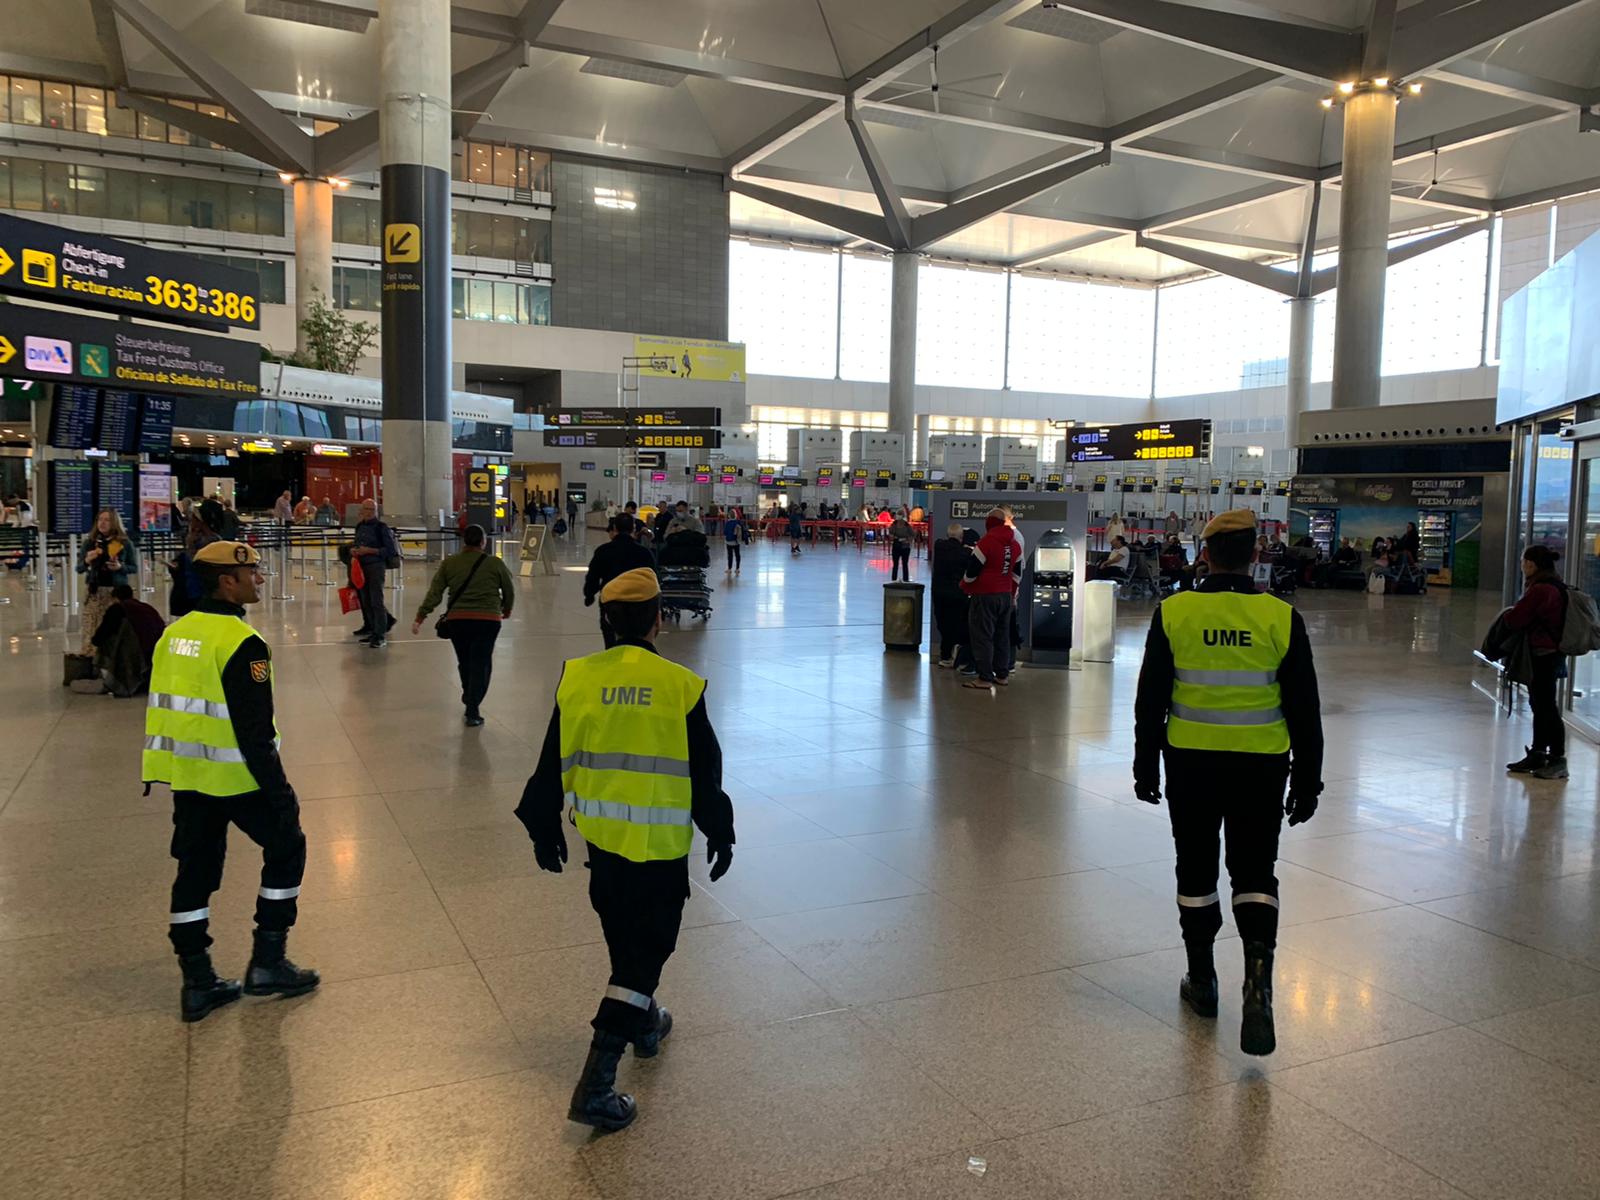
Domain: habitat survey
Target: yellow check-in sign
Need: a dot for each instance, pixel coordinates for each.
(402, 242)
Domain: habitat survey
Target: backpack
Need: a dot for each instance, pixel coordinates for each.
(1580, 629)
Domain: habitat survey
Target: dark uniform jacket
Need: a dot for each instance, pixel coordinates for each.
(611, 559)
(1297, 683)
(250, 707)
(544, 799)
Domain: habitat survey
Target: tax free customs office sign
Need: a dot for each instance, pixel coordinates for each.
(61, 347)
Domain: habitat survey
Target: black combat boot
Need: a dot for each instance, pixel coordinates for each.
(595, 1101)
(271, 974)
(1528, 763)
(658, 1025)
(1256, 1034)
(1199, 986)
(203, 992)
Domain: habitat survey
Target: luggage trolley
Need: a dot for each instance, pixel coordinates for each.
(684, 589)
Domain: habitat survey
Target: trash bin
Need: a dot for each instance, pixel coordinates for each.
(1100, 621)
(902, 616)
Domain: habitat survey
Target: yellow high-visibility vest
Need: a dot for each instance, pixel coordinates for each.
(625, 751)
(1227, 648)
(189, 741)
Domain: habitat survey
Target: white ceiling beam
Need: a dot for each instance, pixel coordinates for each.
(797, 124)
(831, 181)
(1224, 159)
(689, 62)
(1259, 274)
(1194, 105)
(1248, 241)
(218, 130)
(624, 152)
(952, 219)
(870, 226)
(1322, 55)
(1216, 207)
(350, 146)
(1423, 46)
(474, 88)
(1375, 44)
(1438, 197)
(1588, 121)
(1022, 170)
(1081, 242)
(983, 115)
(290, 146)
(894, 208)
(1305, 273)
(1558, 192)
(966, 18)
(110, 39)
(1518, 85)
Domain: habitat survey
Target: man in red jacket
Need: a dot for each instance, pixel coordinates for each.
(991, 580)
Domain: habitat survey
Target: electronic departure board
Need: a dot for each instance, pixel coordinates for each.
(620, 439)
(71, 497)
(1146, 441)
(116, 486)
(118, 426)
(75, 417)
(155, 425)
(639, 418)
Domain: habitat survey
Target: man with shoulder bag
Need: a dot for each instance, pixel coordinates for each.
(482, 593)
(376, 549)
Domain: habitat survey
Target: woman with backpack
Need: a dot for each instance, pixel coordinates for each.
(1541, 613)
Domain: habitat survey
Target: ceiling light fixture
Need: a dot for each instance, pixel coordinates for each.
(1346, 88)
(287, 177)
(1399, 89)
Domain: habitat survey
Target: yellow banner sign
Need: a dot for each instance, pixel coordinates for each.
(687, 358)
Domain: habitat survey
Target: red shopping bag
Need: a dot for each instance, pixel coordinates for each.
(349, 600)
(358, 577)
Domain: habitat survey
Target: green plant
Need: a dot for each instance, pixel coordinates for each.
(331, 341)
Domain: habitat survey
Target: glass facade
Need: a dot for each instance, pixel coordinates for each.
(55, 104)
(36, 185)
(503, 166)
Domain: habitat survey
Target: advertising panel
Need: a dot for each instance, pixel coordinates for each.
(690, 358)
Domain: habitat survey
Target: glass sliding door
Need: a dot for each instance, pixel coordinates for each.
(1584, 573)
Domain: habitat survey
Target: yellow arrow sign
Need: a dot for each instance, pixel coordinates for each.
(7, 350)
(5, 261)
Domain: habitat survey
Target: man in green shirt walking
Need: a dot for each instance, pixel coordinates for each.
(482, 593)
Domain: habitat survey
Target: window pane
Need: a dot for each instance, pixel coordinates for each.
(1433, 308)
(505, 237)
(120, 121)
(480, 163)
(241, 208)
(961, 326)
(272, 283)
(505, 166)
(480, 300)
(57, 190)
(180, 199)
(458, 233)
(5, 183)
(27, 184)
(153, 200)
(5, 98)
(458, 168)
(538, 171)
(122, 195)
(269, 210)
(538, 304)
(25, 108)
(176, 134)
(89, 184)
(56, 105)
(210, 204)
(458, 298)
(151, 130)
(864, 319)
(1218, 335)
(783, 304)
(505, 301)
(1084, 338)
(89, 110)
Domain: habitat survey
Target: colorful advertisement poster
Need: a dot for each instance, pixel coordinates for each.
(1371, 507)
(155, 496)
(688, 358)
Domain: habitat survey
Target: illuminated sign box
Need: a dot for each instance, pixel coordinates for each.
(1140, 442)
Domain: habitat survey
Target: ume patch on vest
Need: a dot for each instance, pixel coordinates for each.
(1227, 637)
(627, 695)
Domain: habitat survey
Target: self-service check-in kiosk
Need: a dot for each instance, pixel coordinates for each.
(1054, 528)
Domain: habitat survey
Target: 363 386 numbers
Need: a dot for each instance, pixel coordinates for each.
(186, 297)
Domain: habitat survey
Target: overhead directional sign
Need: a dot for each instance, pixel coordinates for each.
(632, 439)
(48, 262)
(1144, 441)
(63, 347)
(640, 418)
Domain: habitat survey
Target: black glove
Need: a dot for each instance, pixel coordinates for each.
(588, 601)
(551, 854)
(1148, 790)
(1301, 805)
(720, 858)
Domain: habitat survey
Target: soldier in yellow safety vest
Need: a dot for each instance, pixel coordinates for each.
(631, 750)
(210, 736)
(1228, 696)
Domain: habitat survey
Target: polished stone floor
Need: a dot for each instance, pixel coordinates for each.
(944, 964)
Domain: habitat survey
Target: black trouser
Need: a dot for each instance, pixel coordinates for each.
(950, 613)
(640, 906)
(373, 611)
(200, 844)
(473, 640)
(1549, 731)
(1212, 791)
(989, 619)
(899, 560)
(735, 555)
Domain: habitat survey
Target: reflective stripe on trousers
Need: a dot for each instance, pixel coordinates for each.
(1197, 901)
(648, 764)
(289, 893)
(634, 814)
(1254, 898)
(637, 999)
(1227, 716)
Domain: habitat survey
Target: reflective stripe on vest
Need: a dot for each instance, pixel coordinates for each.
(1226, 650)
(189, 739)
(625, 751)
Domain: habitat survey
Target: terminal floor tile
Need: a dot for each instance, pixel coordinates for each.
(944, 964)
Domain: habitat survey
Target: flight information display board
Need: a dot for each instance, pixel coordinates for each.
(155, 425)
(639, 418)
(71, 497)
(1144, 441)
(116, 486)
(75, 418)
(629, 439)
(118, 427)
(49, 262)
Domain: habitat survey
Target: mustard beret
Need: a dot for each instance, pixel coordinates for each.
(228, 554)
(1235, 520)
(637, 584)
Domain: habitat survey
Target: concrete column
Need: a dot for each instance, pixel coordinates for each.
(1302, 336)
(919, 452)
(414, 173)
(903, 346)
(1363, 247)
(313, 248)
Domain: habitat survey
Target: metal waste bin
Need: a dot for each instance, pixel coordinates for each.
(1100, 621)
(902, 616)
